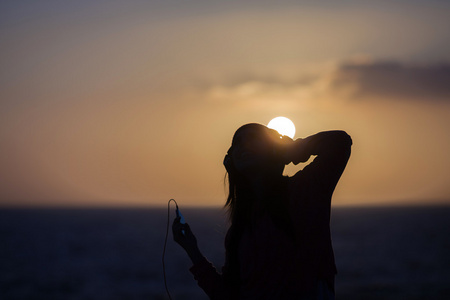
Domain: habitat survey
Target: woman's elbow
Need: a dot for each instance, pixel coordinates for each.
(343, 138)
(343, 141)
(347, 139)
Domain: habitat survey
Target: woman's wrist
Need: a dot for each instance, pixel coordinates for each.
(299, 151)
(286, 149)
(195, 255)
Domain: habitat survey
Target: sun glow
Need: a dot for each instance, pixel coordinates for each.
(283, 125)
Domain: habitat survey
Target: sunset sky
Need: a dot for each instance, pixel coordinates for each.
(129, 103)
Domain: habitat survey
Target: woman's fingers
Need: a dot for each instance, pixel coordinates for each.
(178, 227)
(183, 235)
(180, 231)
(176, 224)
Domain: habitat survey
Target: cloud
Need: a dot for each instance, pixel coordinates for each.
(259, 90)
(359, 79)
(391, 80)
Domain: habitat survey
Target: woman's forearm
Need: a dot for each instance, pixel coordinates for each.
(328, 141)
(318, 144)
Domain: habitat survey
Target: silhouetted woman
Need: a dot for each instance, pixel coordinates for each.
(279, 244)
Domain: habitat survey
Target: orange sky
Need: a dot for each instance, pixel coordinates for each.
(114, 104)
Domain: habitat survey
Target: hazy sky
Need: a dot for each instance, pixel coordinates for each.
(135, 102)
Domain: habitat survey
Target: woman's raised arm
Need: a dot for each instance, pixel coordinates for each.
(332, 149)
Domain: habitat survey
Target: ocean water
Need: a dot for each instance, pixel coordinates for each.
(381, 253)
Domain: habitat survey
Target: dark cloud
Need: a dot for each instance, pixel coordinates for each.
(391, 80)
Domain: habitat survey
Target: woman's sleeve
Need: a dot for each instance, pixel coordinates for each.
(332, 149)
(210, 280)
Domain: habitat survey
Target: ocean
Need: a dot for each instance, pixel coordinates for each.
(381, 253)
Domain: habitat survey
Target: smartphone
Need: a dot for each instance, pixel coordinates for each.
(179, 215)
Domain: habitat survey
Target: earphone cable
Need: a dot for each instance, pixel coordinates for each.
(165, 244)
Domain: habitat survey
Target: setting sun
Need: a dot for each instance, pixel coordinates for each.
(283, 125)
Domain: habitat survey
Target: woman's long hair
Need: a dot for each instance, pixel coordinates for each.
(244, 211)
